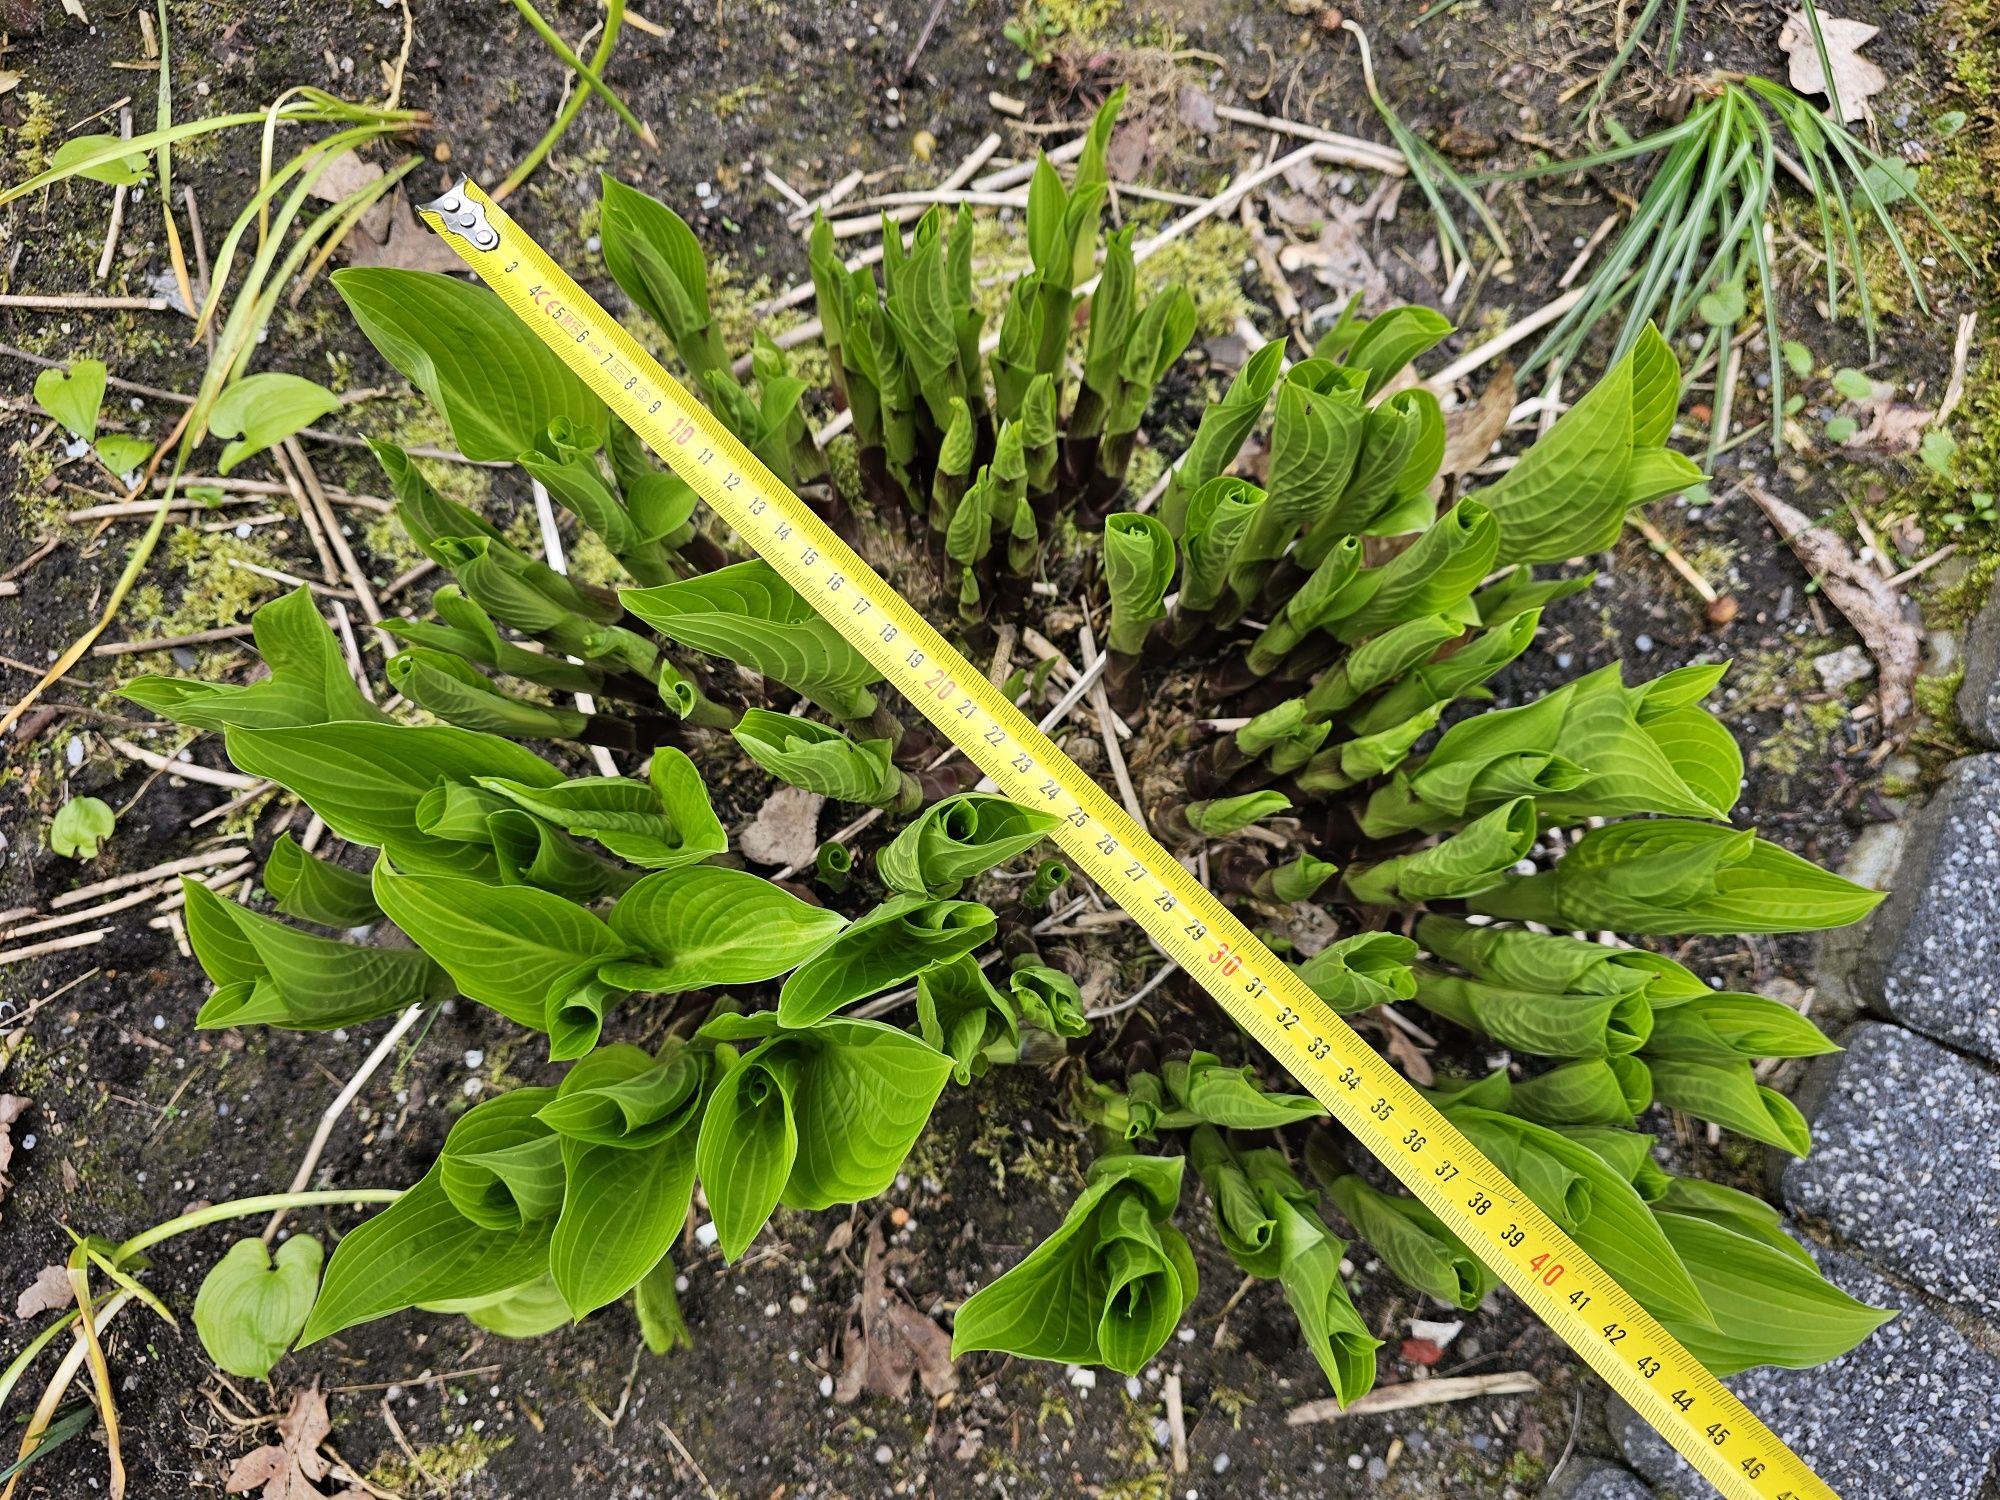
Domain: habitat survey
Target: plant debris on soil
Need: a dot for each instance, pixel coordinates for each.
(820, 1362)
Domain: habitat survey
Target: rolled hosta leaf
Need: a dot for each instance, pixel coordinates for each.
(1108, 1287)
(1439, 682)
(1390, 340)
(1436, 574)
(514, 948)
(1361, 972)
(489, 374)
(1322, 597)
(1368, 501)
(960, 1013)
(1218, 515)
(368, 780)
(821, 759)
(426, 1248)
(1592, 1091)
(468, 631)
(1269, 1223)
(459, 694)
(1350, 762)
(1219, 817)
(1553, 1025)
(1521, 959)
(527, 1311)
(709, 926)
(252, 1304)
(627, 1123)
(1474, 858)
(1138, 567)
(1568, 494)
(653, 255)
(662, 823)
(1733, 1209)
(1202, 1090)
(1283, 736)
(1316, 438)
(888, 946)
(658, 1309)
(1128, 1114)
(1046, 999)
(1667, 875)
(1389, 656)
(268, 974)
(1414, 1243)
(1593, 748)
(1728, 1093)
(809, 1118)
(316, 890)
(309, 683)
(1220, 434)
(1596, 1204)
(1722, 1028)
(1768, 1307)
(751, 616)
(958, 839)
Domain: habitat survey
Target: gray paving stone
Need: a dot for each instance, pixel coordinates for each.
(1979, 694)
(1905, 1165)
(1912, 1414)
(1930, 955)
(1594, 1479)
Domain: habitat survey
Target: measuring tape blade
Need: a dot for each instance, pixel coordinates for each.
(1568, 1290)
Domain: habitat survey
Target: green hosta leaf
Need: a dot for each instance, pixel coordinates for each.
(309, 683)
(1671, 876)
(708, 925)
(1108, 1287)
(124, 455)
(457, 692)
(1722, 1028)
(748, 614)
(366, 780)
(1728, 1093)
(74, 395)
(1352, 761)
(1219, 817)
(1569, 493)
(1414, 1243)
(252, 1304)
(1439, 682)
(317, 890)
(662, 823)
(1128, 1114)
(1047, 999)
(1602, 1211)
(955, 840)
(1138, 567)
(1627, 1153)
(1768, 1307)
(1526, 960)
(810, 1118)
(1159, 338)
(116, 171)
(653, 255)
(1203, 1091)
(624, 1198)
(1369, 501)
(893, 943)
(1436, 574)
(1595, 1091)
(1316, 437)
(1390, 340)
(1361, 972)
(1474, 858)
(1537, 1021)
(509, 947)
(79, 826)
(266, 973)
(495, 381)
(1731, 1208)
(260, 411)
(1219, 514)
(962, 1014)
(527, 851)
(527, 1311)
(658, 1309)
(423, 1249)
(821, 759)
(1220, 434)
(1389, 656)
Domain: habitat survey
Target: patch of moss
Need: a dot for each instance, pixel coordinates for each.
(1209, 263)
(39, 128)
(443, 1466)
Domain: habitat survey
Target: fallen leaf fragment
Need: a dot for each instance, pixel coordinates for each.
(1877, 612)
(887, 1340)
(1471, 431)
(12, 1107)
(347, 174)
(50, 1290)
(290, 1468)
(409, 245)
(785, 830)
(1855, 78)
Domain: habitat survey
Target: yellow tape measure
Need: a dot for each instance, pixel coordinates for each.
(1564, 1286)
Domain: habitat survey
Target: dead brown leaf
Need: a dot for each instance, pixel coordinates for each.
(409, 246)
(1855, 78)
(887, 1340)
(785, 830)
(1877, 612)
(347, 174)
(1471, 431)
(1894, 426)
(51, 1289)
(12, 1107)
(290, 1468)
(1196, 110)
(1408, 1056)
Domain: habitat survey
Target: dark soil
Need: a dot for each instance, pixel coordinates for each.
(137, 1115)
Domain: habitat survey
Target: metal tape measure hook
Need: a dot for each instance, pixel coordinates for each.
(461, 214)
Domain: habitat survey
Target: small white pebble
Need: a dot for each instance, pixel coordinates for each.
(770, 1309)
(798, 1304)
(680, 1283)
(1186, 1335)
(826, 1385)
(884, 1454)
(159, 1023)
(474, 1057)
(1083, 1379)
(1221, 1464)
(1354, 1460)
(706, 1235)
(472, 1086)
(73, 751)
(1132, 1386)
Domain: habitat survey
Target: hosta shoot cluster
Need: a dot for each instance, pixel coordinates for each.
(1352, 614)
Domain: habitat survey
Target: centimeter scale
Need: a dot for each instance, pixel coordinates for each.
(1597, 1317)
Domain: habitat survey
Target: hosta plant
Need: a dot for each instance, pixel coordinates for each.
(1307, 582)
